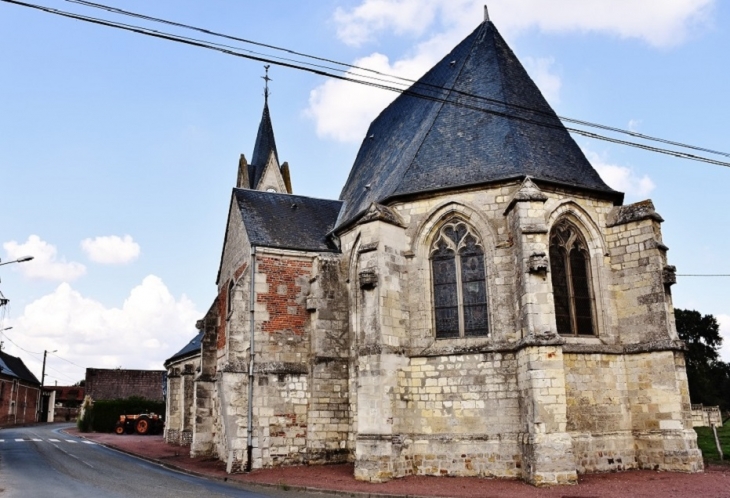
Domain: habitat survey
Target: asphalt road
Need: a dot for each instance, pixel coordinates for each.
(42, 462)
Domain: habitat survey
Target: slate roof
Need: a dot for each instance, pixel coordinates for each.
(421, 144)
(288, 221)
(14, 367)
(265, 145)
(192, 348)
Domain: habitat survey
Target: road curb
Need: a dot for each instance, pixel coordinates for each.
(232, 480)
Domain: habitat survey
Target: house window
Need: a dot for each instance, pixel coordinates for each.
(459, 282)
(229, 299)
(571, 277)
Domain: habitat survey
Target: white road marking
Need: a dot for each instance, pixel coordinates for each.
(23, 440)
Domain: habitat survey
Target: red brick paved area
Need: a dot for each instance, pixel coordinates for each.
(713, 483)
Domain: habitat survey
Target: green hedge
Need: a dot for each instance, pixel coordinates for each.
(103, 415)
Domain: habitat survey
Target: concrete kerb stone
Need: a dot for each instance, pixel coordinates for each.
(251, 486)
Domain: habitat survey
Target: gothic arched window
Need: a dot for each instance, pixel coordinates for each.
(571, 277)
(459, 282)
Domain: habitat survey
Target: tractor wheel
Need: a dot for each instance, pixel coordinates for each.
(143, 425)
(119, 428)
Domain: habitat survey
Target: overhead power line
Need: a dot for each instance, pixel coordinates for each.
(390, 77)
(67, 361)
(418, 93)
(17, 346)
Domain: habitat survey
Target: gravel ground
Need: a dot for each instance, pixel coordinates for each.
(713, 483)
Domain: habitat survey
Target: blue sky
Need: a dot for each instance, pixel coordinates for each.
(118, 151)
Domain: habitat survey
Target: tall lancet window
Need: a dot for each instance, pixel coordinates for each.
(459, 282)
(571, 277)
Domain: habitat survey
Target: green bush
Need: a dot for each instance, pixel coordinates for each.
(103, 415)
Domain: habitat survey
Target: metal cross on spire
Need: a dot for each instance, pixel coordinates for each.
(266, 79)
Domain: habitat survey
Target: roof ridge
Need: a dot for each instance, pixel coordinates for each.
(288, 195)
(443, 103)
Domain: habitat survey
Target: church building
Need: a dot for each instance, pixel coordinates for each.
(478, 302)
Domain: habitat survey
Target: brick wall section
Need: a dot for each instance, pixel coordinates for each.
(280, 412)
(283, 299)
(19, 402)
(118, 384)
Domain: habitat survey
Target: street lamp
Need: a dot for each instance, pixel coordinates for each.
(21, 259)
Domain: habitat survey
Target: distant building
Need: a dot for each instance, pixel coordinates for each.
(67, 402)
(477, 303)
(118, 384)
(20, 392)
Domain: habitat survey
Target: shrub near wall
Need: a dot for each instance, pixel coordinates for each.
(103, 415)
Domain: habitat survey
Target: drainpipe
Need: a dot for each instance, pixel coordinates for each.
(251, 356)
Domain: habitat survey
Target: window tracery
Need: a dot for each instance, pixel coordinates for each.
(571, 278)
(459, 282)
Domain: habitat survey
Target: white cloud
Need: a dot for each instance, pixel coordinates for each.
(148, 328)
(621, 178)
(343, 111)
(634, 125)
(724, 321)
(657, 22)
(111, 250)
(45, 264)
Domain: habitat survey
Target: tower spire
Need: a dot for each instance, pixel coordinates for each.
(266, 85)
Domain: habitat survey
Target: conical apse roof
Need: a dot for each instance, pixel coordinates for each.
(495, 125)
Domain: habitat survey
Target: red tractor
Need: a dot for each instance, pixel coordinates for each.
(141, 424)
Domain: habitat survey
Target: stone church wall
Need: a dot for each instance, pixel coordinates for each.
(299, 305)
(513, 405)
(460, 415)
(180, 401)
(598, 412)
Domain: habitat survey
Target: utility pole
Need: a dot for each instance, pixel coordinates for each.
(41, 412)
(43, 371)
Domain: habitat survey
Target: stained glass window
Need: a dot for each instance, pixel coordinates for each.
(459, 283)
(570, 269)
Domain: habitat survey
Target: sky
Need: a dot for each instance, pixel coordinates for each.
(118, 151)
